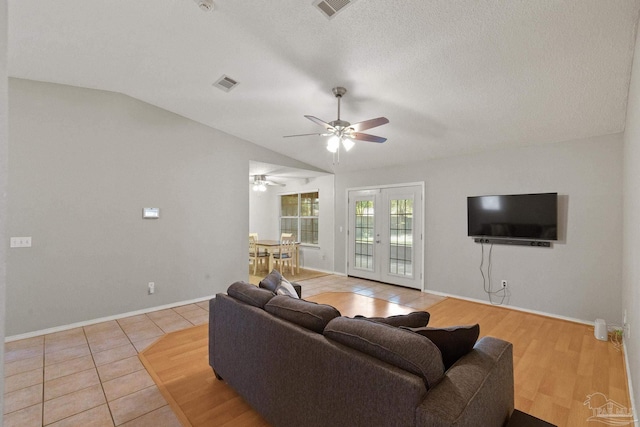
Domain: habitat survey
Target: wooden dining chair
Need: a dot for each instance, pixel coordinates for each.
(286, 255)
(283, 236)
(255, 256)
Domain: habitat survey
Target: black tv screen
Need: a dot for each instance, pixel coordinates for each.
(518, 216)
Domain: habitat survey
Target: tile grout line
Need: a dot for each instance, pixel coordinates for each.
(98, 374)
(372, 291)
(43, 366)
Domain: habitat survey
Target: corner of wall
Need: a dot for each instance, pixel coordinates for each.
(631, 234)
(3, 183)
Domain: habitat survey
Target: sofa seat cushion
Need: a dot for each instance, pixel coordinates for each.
(398, 347)
(250, 294)
(309, 315)
(453, 342)
(417, 319)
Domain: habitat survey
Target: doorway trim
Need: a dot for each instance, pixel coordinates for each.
(423, 222)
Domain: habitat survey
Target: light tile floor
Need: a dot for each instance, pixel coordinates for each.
(92, 376)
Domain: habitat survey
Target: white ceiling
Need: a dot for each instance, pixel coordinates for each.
(452, 76)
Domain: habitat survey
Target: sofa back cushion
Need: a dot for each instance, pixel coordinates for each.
(399, 347)
(416, 319)
(453, 342)
(250, 294)
(271, 281)
(307, 314)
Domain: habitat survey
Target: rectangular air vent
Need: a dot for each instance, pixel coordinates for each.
(226, 83)
(330, 8)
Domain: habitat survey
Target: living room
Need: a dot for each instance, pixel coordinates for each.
(83, 163)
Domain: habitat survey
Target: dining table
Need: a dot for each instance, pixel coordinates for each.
(270, 245)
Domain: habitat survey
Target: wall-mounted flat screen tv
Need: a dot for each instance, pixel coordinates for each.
(515, 216)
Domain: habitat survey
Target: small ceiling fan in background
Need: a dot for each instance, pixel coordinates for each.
(260, 183)
(341, 131)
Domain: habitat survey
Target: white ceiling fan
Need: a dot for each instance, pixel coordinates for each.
(260, 183)
(341, 131)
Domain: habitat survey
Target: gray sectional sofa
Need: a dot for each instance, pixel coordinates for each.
(299, 363)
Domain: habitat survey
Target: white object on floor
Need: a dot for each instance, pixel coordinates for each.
(600, 330)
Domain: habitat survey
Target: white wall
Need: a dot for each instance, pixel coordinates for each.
(263, 213)
(83, 165)
(631, 247)
(3, 185)
(579, 277)
(264, 217)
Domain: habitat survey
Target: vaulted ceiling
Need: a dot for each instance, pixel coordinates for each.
(451, 76)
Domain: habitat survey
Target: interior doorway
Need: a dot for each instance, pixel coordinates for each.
(385, 236)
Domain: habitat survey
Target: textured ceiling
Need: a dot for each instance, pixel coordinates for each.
(452, 76)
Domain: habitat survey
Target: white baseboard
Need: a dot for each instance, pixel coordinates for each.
(117, 316)
(513, 307)
(102, 319)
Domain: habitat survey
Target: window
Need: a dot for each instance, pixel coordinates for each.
(299, 216)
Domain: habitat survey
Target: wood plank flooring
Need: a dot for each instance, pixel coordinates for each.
(557, 363)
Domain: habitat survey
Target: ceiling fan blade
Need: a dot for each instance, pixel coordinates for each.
(366, 137)
(368, 124)
(305, 134)
(325, 125)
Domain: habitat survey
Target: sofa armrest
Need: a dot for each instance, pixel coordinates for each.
(298, 289)
(476, 390)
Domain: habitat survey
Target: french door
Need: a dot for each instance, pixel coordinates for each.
(385, 235)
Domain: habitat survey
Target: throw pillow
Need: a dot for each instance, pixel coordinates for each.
(453, 342)
(249, 294)
(417, 319)
(286, 288)
(272, 281)
(307, 314)
(396, 346)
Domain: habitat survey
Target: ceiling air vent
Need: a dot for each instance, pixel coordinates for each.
(226, 83)
(330, 8)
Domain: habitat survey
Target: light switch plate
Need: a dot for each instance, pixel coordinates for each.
(21, 242)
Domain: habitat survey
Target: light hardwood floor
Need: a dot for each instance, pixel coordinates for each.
(557, 364)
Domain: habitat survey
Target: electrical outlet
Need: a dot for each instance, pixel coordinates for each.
(504, 283)
(152, 287)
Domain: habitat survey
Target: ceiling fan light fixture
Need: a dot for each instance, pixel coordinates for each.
(259, 183)
(347, 143)
(259, 187)
(333, 144)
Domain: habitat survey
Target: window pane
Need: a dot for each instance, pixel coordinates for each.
(309, 204)
(364, 234)
(289, 225)
(309, 231)
(299, 216)
(401, 237)
(289, 205)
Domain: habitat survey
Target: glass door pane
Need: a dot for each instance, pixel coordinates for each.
(401, 237)
(364, 234)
